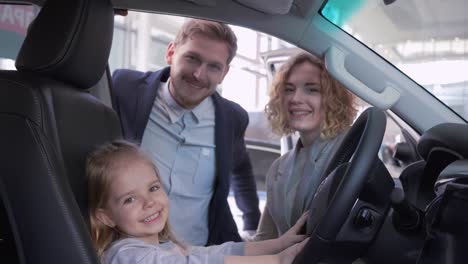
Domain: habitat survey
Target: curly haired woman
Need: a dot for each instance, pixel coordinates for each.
(304, 98)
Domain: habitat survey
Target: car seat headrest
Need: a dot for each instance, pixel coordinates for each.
(69, 41)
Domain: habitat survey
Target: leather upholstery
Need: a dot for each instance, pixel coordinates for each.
(49, 122)
(67, 43)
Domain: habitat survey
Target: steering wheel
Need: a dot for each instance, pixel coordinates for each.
(330, 209)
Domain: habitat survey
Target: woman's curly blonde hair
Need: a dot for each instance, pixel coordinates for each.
(338, 103)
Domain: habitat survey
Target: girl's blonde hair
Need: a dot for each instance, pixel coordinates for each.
(101, 165)
(337, 102)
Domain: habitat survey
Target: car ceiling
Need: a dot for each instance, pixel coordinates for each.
(451, 16)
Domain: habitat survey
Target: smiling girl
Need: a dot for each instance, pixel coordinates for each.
(129, 217)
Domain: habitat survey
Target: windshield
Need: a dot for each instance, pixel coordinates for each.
(425, 39)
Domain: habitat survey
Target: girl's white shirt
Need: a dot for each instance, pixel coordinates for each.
(130, 250)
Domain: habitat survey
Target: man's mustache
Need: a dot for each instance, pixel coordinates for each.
(195, 82)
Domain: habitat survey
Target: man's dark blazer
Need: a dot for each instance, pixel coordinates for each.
(133, 95)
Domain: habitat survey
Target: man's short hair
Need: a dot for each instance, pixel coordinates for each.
(211, 29)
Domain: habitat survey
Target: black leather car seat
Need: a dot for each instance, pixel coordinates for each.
(49, 122)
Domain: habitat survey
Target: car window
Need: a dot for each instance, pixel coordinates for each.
(134, 48)
(427, 41)
(14, 22)
(257, 58)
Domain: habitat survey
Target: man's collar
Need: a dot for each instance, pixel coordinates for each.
(176, 111)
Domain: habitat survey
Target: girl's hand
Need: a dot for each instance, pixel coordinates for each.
(291, 237)
(287, 256)
(277, 245)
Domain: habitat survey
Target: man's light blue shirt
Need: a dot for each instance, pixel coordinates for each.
(181, 142)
